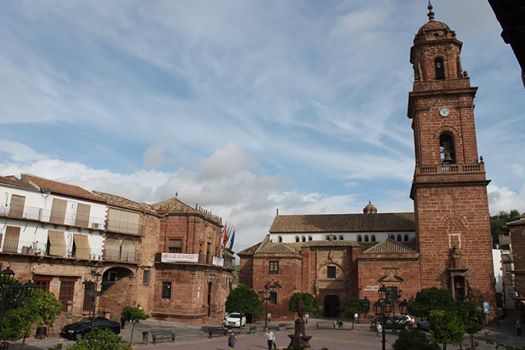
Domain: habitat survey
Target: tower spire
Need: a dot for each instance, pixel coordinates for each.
(430, 12)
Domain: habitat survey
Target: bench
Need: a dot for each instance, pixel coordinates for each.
(325, 325)
(162, 334)
(217, 330)
(4, 345)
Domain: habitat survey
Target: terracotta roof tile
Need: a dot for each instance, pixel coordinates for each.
(389, 246)
(381, 222)
(122, 202)
(176, 206)
(12, 181)
(249, 250)
(60, 188)
(269, 247)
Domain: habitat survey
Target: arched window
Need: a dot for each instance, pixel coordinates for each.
(447, 152)
(280, 239)
(341, 237)
(309, 238)
(393, 237)
(439, 65)
(359, 238)
(297, 238)
(373, 239)
(328, 237)
(303, 239)
(334, 237)
(366, 238)
(399, 238)
(406, 238)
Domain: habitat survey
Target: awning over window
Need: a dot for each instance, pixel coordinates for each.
(57, 243)
(111, 249)
(128, 251)
(82, 248)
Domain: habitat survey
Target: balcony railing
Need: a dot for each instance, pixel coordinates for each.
(451, 169)
(14, 246)
(69, 219)
(120, 255)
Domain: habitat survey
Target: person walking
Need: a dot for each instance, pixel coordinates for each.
(122, 320)
(232, 339)
(379, 328)
(270, 339)
(518, 328)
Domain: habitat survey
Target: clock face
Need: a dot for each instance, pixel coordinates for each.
(444, 112)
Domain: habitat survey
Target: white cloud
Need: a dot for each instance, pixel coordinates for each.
(19, 152)
(502, 198)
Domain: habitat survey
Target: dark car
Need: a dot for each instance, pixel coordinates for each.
(397, 322)
(75, 330)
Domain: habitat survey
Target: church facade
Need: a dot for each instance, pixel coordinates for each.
(444, 243)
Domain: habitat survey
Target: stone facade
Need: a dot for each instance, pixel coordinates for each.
(445, 243)
(121, 252)
(517, 234)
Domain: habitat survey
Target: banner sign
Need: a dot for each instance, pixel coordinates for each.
(218, 261)
(178, 257)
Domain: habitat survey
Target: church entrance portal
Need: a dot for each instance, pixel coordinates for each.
(331, 306)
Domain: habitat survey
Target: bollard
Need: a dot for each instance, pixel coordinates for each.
(145, 337)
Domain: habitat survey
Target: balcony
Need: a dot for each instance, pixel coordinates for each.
(52, 217)
(14, 246)
(445, 169)
(73, 220)
(121, 255)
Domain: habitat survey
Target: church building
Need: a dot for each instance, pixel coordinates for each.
(445, 243)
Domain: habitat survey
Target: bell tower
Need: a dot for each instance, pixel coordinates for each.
(449, 185)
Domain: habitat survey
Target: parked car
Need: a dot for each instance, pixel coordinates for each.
(75, 330)
(235, 319)
(397, 322)
(423, 324)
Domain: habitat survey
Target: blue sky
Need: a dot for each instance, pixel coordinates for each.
(242, 106)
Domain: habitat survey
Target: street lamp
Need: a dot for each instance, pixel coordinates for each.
(12, 292)
(264, 294)
(382, 307)
(403, 307)
(90, 286)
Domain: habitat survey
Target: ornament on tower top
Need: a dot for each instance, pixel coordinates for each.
(430, 12)
(370, 209)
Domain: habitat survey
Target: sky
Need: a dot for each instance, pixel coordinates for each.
(243, 107)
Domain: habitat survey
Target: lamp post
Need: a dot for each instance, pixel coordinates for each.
(12, 292)
(264, 294)
(93, 292)
(382, 307)
(403, 307)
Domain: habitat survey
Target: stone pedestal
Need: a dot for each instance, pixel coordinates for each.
(299, 338)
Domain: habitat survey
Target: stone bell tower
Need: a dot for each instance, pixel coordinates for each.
(449, 185)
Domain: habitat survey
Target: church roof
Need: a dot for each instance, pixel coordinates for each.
(175, 206)
(389, 246)
(320, 223)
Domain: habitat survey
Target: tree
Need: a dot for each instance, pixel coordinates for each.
(472, 318)
(243, 299)
(446, 327)
(41, 308)
(133, 315)
(310, 304)
(414, 340)
(431, 299)
(498, 223)
(100, 339)
(354, 305)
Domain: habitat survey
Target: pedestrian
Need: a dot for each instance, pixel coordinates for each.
(518, 328)
(356, 318)
(232, 339)
(122, 320)
(306, 317)
(270, 339)
(379, 328)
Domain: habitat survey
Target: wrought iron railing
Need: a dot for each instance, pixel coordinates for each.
(70, 219)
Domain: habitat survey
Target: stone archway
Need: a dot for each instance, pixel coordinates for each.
(118, 291)
(332, 305)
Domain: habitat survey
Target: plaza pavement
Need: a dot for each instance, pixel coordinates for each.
(360, 338)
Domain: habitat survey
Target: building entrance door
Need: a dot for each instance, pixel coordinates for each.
(331, 306)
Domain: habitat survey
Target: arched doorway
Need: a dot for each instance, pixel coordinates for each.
(118, 290)
(332, 304)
